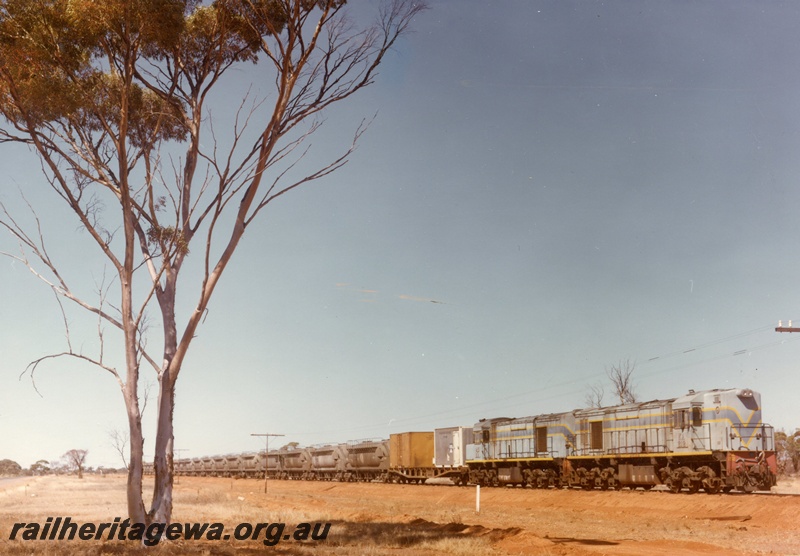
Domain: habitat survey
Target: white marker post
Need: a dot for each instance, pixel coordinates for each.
(477, 499)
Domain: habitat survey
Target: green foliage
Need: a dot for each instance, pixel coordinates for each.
(148, 25)
(168, 238)
(150, 118)
(60, 61)
(41, 48)
(69, 60)
(229, 31)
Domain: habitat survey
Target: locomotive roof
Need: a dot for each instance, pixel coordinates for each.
(688, 398)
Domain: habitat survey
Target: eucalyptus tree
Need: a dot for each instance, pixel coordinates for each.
(75, 460)
(113, 98)
(621, 377)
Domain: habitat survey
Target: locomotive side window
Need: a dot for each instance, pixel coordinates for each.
(597, 435)
(584, 433)
(541, 439)
(485, 435)
(679, 418)
(697, 416)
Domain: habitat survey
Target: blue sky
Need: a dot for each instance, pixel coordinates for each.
(548, 188)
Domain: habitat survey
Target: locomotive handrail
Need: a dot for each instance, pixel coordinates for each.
(766, 436)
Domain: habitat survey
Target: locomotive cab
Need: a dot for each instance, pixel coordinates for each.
(691, 431)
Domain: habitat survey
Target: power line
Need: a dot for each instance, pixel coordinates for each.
(466, 409)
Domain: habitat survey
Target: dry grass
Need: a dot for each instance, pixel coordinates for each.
(97, 500)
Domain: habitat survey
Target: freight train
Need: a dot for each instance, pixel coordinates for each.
(712, 440)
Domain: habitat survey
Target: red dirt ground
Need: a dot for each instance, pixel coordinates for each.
(427, 520)
(562, 522)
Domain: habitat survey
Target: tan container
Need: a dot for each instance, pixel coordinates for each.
(411, 449)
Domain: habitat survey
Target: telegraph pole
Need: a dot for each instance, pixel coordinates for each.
(266, 455)
(179, 450)
(789, 328)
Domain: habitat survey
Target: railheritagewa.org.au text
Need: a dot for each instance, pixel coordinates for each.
(65, 529)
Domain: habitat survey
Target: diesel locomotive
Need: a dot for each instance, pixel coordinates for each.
(713, 440)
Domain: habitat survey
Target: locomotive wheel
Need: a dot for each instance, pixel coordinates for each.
(694, 486)
(673, 486)
(711, 488)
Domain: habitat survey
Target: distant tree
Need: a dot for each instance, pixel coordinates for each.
(594, 397)
(621, 377)
(788, 448)
(114, 99)
(10, 467)
(75, 460)
(41, 467)
(290, 446)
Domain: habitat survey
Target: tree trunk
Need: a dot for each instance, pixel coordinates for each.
(136, 511)
(161, 508)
